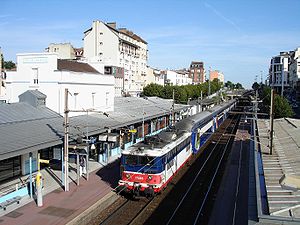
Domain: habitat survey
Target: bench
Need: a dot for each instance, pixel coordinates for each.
(10, 202)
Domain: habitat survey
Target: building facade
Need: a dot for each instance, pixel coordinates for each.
(63, 50)
(45, 72)
(106, 44)
(154, 76)
(216, 74)
(295, 67)
(197, 73)
(279, 76)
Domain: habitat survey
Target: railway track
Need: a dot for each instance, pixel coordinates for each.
(190, 195)
(192, 198)
(127, 211)
(202, 184)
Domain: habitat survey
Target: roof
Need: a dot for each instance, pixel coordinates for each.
(70, 65)
(36, 93)
(24, 128)
(131, 34)
(127, 111)
(284, 160)
(21, 112)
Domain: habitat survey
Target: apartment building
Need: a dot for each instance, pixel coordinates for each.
(279, 76)
(176, 77)
(63, 50)
(197, 73)
(154, 76)
(295, 68)
(106, 44)
(216, 74)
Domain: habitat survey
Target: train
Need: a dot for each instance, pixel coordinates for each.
(148, 166)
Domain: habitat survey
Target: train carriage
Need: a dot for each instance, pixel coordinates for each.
(148, 166)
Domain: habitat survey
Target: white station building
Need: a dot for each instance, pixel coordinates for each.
(88, 88)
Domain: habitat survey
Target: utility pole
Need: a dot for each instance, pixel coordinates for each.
(271, 121)
(256, 103)
(66, 142)
(143, 129)
(209, 81)
(173, 105)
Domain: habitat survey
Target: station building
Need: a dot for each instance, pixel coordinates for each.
(30, 131)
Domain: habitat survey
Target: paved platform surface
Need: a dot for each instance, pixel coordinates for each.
(232, 202)
(61, 207)
(284, 160)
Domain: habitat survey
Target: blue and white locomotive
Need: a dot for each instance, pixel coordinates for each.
(148, 166)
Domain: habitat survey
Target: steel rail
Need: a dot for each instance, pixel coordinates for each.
(107, 219)
(196, 177)
(238, 180)
(212, 180)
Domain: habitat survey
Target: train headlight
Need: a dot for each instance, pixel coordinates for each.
(149, 177)
(127, 175)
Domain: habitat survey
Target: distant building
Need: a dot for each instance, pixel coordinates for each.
(184, 77)
(118, 74)
(106, 44)
(197, 73)
(63, 50)
(279, 76)
(45, 72)
(178, 77)
(2, 80)
(216, 74)
(1, 58)
(295, 70)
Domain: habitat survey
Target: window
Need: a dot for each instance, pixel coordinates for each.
(101, 33)
(131, 160)
(10, 168)
(35, 72)
(101, 43)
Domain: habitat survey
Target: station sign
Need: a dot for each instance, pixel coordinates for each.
(132, 131)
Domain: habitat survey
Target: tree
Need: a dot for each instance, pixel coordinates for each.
(153, 90)
(238, 86)
(255, 86)
(9, 65)
(229, 85)
(282, 107)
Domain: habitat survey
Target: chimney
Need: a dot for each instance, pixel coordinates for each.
(112, 24)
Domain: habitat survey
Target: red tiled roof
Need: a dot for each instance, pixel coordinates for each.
(64, 64)
(131, 34)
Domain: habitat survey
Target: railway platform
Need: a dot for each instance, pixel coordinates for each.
(72, 207)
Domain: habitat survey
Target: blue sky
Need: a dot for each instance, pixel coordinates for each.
(235, 36)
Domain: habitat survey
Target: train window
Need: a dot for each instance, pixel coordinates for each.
(146, 160)
(131, 160)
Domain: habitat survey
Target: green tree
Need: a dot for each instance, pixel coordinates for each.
(282, 107)
(229, 85)
(255, 86)
(153, 90)
(238, 86)
(9, 65)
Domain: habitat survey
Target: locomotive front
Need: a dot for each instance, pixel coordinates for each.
(141, 173)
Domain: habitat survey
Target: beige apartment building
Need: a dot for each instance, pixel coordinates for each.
(108, 45)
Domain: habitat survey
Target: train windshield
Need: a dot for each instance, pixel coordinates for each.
(135, 160)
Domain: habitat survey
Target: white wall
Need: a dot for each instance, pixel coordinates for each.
(93, 90)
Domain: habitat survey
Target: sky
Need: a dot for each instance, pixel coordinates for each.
(237, 37)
